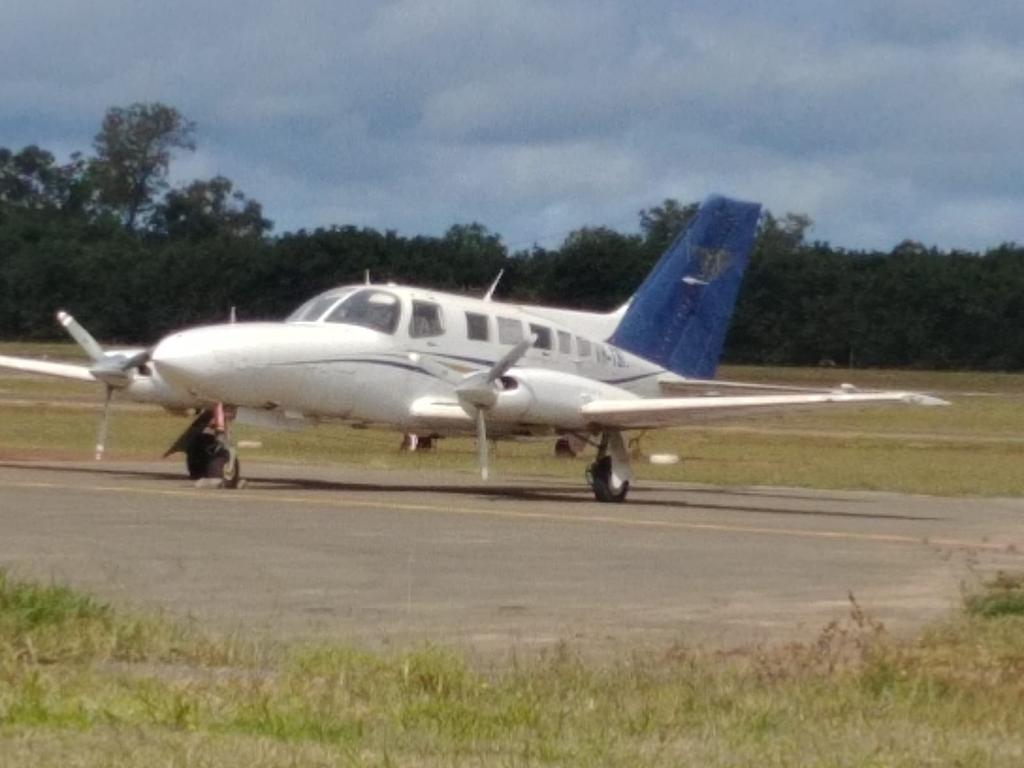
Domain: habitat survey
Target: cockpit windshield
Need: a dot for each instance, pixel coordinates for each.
(369, 308)
(317, 307)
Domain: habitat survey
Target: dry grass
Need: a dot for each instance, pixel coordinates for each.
(123, 690)
(1002, 595)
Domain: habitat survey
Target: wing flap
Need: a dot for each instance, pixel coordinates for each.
(47, 368)
(668, 411)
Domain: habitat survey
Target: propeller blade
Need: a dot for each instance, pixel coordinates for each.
(82, 336)
(101, 437)
(510, 358)
(481, 442)
(478, 389)
(477, 379)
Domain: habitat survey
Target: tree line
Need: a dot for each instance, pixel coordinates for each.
(106, 236)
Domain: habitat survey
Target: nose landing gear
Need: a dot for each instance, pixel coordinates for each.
(209, 454)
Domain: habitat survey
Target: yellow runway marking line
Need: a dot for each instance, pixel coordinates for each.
(628, 522)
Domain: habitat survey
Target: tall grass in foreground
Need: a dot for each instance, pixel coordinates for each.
(84, 684)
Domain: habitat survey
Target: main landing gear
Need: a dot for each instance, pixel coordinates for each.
(610, 474)
(209, 454)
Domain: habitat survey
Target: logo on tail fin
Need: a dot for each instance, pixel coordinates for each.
(710, 265)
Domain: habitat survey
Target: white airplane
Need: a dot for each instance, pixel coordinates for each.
(439, 364)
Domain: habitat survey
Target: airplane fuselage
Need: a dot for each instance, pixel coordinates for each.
(353, 354)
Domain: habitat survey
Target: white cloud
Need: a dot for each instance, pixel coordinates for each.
(882, 121)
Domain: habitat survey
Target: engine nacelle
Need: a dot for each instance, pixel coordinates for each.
(537, 395)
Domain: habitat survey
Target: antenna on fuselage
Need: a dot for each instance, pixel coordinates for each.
(366, 276)
(490, 291)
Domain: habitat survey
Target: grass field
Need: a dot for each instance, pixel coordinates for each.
(974, 447)
(84, 684)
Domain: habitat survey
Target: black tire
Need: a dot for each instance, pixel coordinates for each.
(225, 466)
(563, 449)
(600, 475)
(232, 474)
(199, 454)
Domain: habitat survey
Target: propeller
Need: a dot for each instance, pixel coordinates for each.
(113, 369)
(101, 435)
(478, 391)
(116, 371)
(82, 336)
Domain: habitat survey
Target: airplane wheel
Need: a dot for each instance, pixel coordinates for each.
(225, 466)
(233, 473)
(563, 449)
(600, 475)
(199, 454)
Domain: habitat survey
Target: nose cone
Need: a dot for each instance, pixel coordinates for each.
(256, 363)
(187, 359)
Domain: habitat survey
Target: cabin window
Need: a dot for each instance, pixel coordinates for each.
(477, 327)
(543, 334)
(509, 331)
(374, 309)
(602, 354)
(426, 320)
(565, 343)
(620, 361)
(582, 347)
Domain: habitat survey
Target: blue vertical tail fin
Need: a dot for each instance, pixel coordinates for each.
(679, 316)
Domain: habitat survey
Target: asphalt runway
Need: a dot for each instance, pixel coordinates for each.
(386, 557)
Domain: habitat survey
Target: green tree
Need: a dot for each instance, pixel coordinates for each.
(208, 208)
(473, 255)
(133, 154)
(31, 179)
(785, 234)
(663, 223)
(596, 268)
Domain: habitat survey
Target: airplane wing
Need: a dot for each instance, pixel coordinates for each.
(677, 411)
(641, 413)
(674, 385)
(48, 368)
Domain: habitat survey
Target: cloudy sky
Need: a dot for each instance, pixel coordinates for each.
(881, 119)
